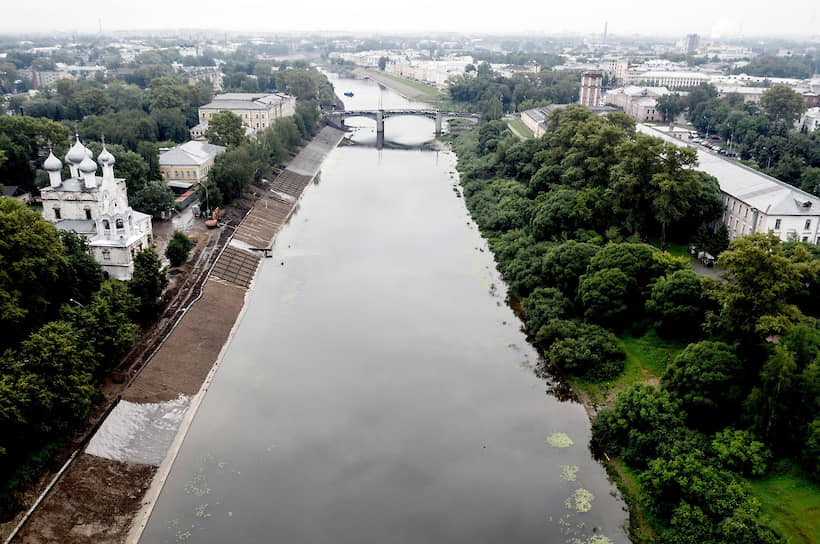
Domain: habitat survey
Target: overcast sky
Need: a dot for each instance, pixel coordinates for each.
(711, 18)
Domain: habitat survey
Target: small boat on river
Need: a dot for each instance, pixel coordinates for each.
(349, 93)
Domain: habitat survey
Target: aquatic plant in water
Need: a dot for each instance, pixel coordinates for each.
(569, 472)
(559, 440)
(580, 501)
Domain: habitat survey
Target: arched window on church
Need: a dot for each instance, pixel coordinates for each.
(120, 224)
(106, 224)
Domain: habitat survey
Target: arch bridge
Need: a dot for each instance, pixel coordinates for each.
(381, 114)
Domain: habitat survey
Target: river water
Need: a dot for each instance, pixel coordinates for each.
(378, 387)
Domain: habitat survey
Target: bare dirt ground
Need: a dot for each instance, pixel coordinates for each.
(91, 505)
(189, 353)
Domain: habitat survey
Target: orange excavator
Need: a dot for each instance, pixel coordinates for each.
(212, 223)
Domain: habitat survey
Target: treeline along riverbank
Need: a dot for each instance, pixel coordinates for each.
(710, 387)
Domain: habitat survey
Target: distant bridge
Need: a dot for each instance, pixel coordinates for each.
(338, 117)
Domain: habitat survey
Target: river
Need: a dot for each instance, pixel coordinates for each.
(378, 388)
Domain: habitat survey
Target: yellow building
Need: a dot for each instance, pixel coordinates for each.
(188, 164)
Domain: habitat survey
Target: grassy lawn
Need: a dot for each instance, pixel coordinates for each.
(646, 358)
(519, 126)
(792, 502)
(674, 248)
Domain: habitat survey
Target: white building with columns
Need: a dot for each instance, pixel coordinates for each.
(96, 207)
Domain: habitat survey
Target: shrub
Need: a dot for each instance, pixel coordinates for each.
(178, 248)
(739, 452)
(582, 349)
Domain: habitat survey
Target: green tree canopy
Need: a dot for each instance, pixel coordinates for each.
(644, 421)
(153, 199)
(707, 378)
(178, 248)
(782, 104)
(676, 303)
(756, 264)
(225, 128)
(147, 283)
(31, 259)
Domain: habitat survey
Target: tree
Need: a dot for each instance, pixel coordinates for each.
(82, 275)
(685, 481)
(641, 263)
(58, 365)
(676, 304)
(782, 104)
(554, 213)
(707, 379)
(31, 258)
(670, 106)
(644, 421)
(231, 172)
(21, 139)
(105, 324)
(225, 128)
(738, 451)
(604, 295)
(147, 283)
(544, 304)
(129, 165)
(153, 199)
(755, 264)
(178, 248)
(677, 187)
(383, 63)
(92, 101)
(582, 349)
(565, 263)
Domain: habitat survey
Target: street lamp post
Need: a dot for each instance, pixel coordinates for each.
(207, 206)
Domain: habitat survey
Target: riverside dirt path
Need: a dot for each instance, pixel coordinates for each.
(97, 499)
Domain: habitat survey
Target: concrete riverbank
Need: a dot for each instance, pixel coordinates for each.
(103, 500)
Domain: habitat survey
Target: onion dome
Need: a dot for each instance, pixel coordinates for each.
(52, 163)
(88, 153)
(76, 154)
(88, 166)
(105, 158)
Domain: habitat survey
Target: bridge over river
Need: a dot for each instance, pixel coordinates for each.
(379, 115)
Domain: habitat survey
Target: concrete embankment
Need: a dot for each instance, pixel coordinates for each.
(183, 365)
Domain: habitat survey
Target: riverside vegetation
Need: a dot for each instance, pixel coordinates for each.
(64, 325)
(734, 397)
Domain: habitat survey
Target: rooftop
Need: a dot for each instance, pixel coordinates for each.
(769, 195)
(192, 153)
(247, 101)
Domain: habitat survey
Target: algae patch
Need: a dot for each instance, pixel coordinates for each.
(559, 440)
(580, 501)
(569, 472)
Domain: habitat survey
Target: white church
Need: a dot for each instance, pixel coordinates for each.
(96, 207)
